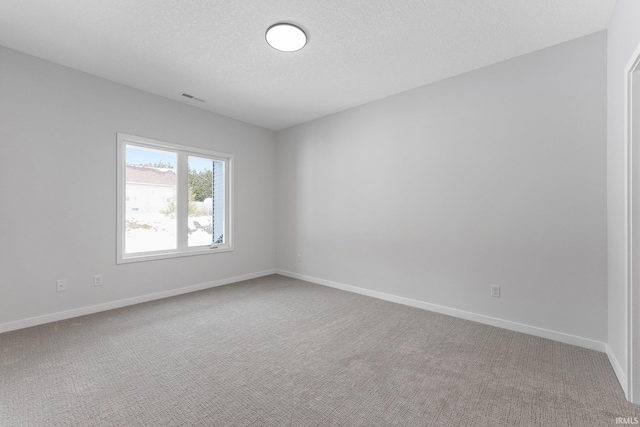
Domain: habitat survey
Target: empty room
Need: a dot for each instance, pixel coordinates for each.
(335, 213)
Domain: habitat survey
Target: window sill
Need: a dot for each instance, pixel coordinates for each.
(171, 254)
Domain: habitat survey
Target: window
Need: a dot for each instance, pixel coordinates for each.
(173, 200)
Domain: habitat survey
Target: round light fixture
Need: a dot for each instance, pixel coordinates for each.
(286, 37)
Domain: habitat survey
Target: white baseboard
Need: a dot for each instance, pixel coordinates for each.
(62, 315)
(487, 320)
(617, 368)
(506, 324)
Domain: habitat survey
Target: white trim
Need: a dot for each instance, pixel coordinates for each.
(197, 250)
(629, 69)
(182, 202)
(480, 318)
(82, 311)
(617, 368)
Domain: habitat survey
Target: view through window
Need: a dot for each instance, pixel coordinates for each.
(150, 201)
(206, 201)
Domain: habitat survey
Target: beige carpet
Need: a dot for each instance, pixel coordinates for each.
(276, 351)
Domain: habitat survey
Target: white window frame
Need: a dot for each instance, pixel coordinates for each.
(182, 152)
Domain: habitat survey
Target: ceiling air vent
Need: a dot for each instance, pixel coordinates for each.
(186, 95)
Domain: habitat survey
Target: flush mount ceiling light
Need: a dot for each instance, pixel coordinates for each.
(286, 37)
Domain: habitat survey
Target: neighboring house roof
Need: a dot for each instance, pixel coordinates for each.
(150, 175)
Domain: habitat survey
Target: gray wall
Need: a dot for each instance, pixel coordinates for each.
(58, 188)
(497, 176)
(623, 38)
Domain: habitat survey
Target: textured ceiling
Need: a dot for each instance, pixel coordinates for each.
(358, 50)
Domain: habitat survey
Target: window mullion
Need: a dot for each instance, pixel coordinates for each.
(182, 209)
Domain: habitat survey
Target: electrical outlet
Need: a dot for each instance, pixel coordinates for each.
(299, 258)
(495, 291)
(61, 285)
(97, 280)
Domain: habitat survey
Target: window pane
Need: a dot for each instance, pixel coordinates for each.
(206, 202)
(150, 200)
